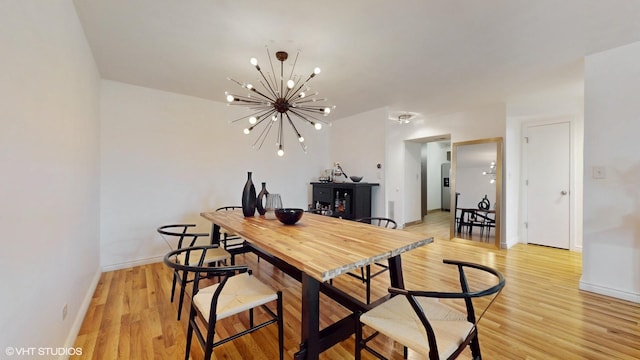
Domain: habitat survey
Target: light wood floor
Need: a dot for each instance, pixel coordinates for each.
(541, 314)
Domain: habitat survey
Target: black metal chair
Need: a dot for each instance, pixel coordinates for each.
(420, 320)
(236, 292)
(228, 239)
(365, 272)
(175, 236)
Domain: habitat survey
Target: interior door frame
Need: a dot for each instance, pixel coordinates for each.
(575, 182)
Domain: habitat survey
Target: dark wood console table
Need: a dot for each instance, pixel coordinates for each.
(354, 198)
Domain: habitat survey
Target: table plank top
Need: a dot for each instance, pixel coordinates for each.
(321, 246)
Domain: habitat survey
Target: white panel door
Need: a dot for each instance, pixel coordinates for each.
(548, 161)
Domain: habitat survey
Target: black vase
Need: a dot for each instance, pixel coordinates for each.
(261, 195)
(249, 197)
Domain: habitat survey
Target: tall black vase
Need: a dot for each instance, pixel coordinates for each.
(249, 197)
(261, 195)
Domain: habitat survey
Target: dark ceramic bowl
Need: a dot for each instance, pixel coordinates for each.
(289, 216)
(355, 178)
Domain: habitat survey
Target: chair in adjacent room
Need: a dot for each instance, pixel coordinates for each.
(237, 292)
(178, 236)
(365, 272)
(422, 321)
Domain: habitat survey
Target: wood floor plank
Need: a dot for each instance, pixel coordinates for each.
(541, 314)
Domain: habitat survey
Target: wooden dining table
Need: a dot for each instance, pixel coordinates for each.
(313, 251)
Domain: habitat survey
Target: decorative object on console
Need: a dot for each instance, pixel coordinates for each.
(289, 216)
(355, 178)
(249, 197)
(280, 100)
(261, 196)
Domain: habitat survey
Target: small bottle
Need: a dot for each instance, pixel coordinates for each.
(336, 203)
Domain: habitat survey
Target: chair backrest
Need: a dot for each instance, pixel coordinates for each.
(199, 268)
(181, 232)
(379, 221)
(465, 292)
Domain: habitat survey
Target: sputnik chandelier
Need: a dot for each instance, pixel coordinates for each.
(280, 101)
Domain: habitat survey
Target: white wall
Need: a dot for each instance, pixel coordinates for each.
(358, 144)
(167, 157)
(611, 253)
(478, 123)
(49, 198)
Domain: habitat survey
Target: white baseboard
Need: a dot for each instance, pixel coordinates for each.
(603, 290)
(82, 312)
(132, 263)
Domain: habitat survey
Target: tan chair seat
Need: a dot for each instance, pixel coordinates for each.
(212, 256)
(241, 292)
(396, 319)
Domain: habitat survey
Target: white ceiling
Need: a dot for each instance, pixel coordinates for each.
(425, 56)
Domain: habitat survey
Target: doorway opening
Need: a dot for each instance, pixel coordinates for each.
(432, 158)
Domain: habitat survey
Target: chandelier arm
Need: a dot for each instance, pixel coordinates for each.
(261, 112)
(304, 117)
(311, 110)
(268, 86)
(267, 116)
(307, 100)
(263, 135)
(245, 102)
(291, 76)
(293, 126)
(301, 86)
(237, 82)
(266, 97)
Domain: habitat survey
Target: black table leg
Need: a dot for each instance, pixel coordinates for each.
(310, 339)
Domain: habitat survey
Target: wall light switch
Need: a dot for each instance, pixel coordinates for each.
(598, 172)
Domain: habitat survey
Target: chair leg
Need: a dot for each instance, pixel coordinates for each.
(208, 347)
(358, 349)
(368, 283)
(183, 285)
(475, 348)
(173, 285)
(189, 338)
(251, 317)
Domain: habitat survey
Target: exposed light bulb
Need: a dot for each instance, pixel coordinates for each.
(274, 118)
(252, 120)
(316, 71)
(327, 110)
(318, 126)
(246, 131)
(302, 94)
(254, 61)
(301, 138)
(249, 86)
(230, 98)
(290, 84)
(280, 151)
(492, 181)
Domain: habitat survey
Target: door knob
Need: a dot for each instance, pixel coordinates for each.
(563, 192)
